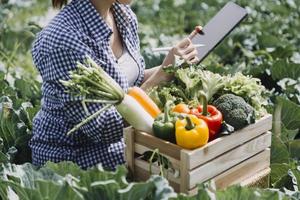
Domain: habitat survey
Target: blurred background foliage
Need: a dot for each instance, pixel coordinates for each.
(266, 45)
(18, 25)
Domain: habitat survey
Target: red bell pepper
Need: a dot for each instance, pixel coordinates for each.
(195, 111)
(211, 115)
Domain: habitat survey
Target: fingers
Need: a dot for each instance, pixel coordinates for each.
(190, 56)
(184, 43)
(185, 48)
(195, 60)
(197, 30)
(187, 51)
(193, 34)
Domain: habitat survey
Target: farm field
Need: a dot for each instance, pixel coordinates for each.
(265, 46)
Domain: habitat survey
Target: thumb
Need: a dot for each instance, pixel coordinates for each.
(197, 30)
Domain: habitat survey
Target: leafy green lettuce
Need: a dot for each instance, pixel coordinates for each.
(189, 81)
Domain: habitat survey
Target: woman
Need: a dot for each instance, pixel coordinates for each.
(106, 30)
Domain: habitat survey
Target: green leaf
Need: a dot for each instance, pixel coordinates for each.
(45, 190)
(279, 151)
(14, 132)
(289, 181)
(7, 129)
(3, 158)
(268, 41)
(2, 75)
(278, 170)
(290, 114)
(294, 147)
(244, 193)
(162, 189)
(207, 192)
(137, 191)
(89, 178)
(23, 87)
(288, 135)
(190, 79)
(24, 115)
(283, 52)
(284, 69)
(106, 189)
(64, 168)
(296, 173)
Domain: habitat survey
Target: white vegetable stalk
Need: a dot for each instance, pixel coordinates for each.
(135, 114)
(96, 86)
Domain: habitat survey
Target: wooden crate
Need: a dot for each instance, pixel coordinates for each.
(238, 158)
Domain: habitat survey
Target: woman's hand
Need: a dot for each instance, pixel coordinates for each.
(185, 49)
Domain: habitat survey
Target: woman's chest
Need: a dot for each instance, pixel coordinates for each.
(108, 60)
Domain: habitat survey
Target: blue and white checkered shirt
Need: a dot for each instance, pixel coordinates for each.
(78, 30)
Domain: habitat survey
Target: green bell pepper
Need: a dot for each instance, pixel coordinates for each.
(164, 124)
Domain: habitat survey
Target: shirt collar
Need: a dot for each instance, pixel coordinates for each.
(96, 26)
(122, 17)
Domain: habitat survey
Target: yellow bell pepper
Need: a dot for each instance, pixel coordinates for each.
(191, 132)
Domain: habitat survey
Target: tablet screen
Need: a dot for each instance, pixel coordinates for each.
(218, 28)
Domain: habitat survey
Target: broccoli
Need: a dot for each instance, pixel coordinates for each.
(236, 111)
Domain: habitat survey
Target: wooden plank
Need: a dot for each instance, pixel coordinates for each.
(155, 170)
(243, 171)
(153, 142)
(249, 171)
(142, 175)
(140, 149)
(184, 178)
(262, 175)
(129, 150)
(193, 192)
(256, 178)
(226, 143)
(229, 159)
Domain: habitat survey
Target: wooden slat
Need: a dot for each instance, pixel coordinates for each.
(153, 142)
(129, 150)
(142, 175)
(229, 159)
(244, 171)
(184, 178)
(140, 149)
(192, 192)
(226, 143)
(155, 170)
(249, 171)
(259, 176)
(262, 175)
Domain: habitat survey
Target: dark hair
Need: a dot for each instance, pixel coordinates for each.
(59, 3)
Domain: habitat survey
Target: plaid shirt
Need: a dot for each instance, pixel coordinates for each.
(78, 30)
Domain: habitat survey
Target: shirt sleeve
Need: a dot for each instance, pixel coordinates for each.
(106, 127)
